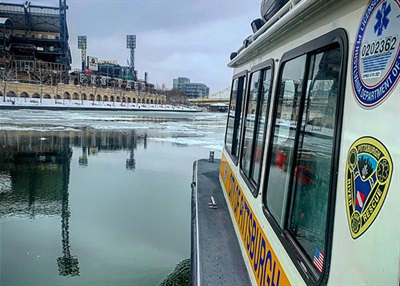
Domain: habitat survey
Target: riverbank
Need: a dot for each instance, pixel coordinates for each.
(51, 104)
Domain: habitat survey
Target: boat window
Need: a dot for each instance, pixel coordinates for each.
(300, 172)
(235, 117)
(307, 223)
(284, 135)
(254, 126)
(250, 122)
(231, 116)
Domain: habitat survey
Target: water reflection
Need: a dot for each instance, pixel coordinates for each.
(95, 141)
(119, 194)
(39, 172)
(34, 167)
(35, 174)
(131, 162)
(67, 264)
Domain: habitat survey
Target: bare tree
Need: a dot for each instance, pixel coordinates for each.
(175, 97)
(6, 74)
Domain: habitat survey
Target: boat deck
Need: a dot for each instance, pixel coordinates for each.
(216, 256)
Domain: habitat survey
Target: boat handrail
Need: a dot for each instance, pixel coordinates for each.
(288, 13)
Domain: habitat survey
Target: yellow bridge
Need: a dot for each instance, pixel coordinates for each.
(221, 96)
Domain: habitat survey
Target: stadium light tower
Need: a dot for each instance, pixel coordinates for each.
(82, 44)
(66, 60)
(131, 44)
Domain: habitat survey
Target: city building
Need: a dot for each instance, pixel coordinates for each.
(114, 70)
(109, 74)
(110, 69)
(178, 82)
(192, 90)
(34, 51)
(34, 44)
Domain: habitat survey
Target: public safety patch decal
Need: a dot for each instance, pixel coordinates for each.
(376, 57)
(368, 174)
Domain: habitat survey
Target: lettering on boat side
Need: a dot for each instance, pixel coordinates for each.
(265, 265)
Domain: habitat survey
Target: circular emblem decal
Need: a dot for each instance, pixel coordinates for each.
(376, 57)
(368, 173)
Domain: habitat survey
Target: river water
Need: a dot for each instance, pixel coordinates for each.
(98, 198)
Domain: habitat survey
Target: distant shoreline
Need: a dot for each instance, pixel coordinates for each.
(88, 105)
(41, 107)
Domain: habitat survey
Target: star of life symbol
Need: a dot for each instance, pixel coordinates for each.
(376, 61)
(382, 19)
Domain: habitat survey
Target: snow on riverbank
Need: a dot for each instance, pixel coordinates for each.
(68, 104)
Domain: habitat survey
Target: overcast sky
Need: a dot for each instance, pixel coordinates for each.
(187, 38)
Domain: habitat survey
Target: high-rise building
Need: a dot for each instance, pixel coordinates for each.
(179, 81)
(192, 90)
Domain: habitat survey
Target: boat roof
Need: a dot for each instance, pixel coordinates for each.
(291, 14)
